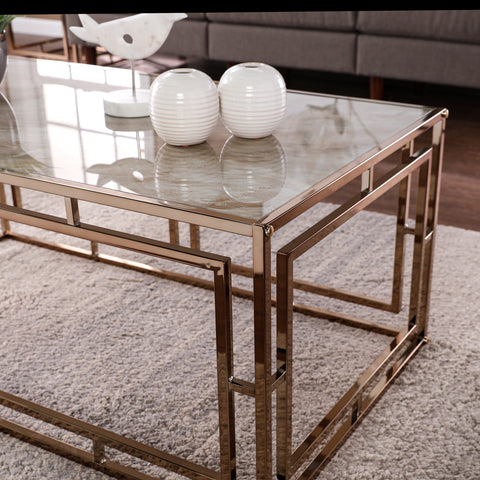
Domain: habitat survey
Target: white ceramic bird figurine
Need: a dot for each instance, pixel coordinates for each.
(133, 38)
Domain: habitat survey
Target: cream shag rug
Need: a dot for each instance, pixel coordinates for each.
(132, 353)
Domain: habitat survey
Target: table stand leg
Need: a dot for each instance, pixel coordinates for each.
(221, 268)
(362, 395)
(262, 341)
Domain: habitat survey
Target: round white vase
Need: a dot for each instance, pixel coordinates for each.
(184, 106)
(253, 99)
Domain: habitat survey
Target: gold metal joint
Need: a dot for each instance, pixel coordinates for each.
(268, 230)
(445, 113)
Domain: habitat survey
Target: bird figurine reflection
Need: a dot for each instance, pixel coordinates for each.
(132, 38)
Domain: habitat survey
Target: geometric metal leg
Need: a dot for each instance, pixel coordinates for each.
(358, 399)
(425, 228)
(262, 343)
(401, 232)
(284, 361)
(101, 438)
(224, 339)
(288, 462)
(417, 314)
(5, 224)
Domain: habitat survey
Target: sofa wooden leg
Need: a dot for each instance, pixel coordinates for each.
(376, 88)
(89, 55)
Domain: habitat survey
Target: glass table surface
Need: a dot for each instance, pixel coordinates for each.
(53, 126)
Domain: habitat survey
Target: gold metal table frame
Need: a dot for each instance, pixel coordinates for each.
(310, 456)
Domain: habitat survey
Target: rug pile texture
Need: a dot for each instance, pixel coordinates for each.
(136, 354)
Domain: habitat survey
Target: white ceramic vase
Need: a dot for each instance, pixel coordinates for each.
(252, 99)
(184, 106)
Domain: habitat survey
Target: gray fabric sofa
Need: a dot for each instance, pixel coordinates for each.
(428, 46)
(434, 46)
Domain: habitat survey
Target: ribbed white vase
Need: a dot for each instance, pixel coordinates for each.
(253, 99)
(184, 106)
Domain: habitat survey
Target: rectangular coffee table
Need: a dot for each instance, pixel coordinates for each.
(55, 139)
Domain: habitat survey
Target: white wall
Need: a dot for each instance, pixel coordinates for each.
(37, 26)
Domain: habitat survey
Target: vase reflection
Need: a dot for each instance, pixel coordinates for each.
(253, 171)
(12, 155)
(189, 175)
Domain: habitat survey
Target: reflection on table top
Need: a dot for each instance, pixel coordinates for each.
(52, 124)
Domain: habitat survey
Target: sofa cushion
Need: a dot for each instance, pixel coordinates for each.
(448, 63)
(329, 20)
(187, 38)
(283, 47)
(452, 25)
